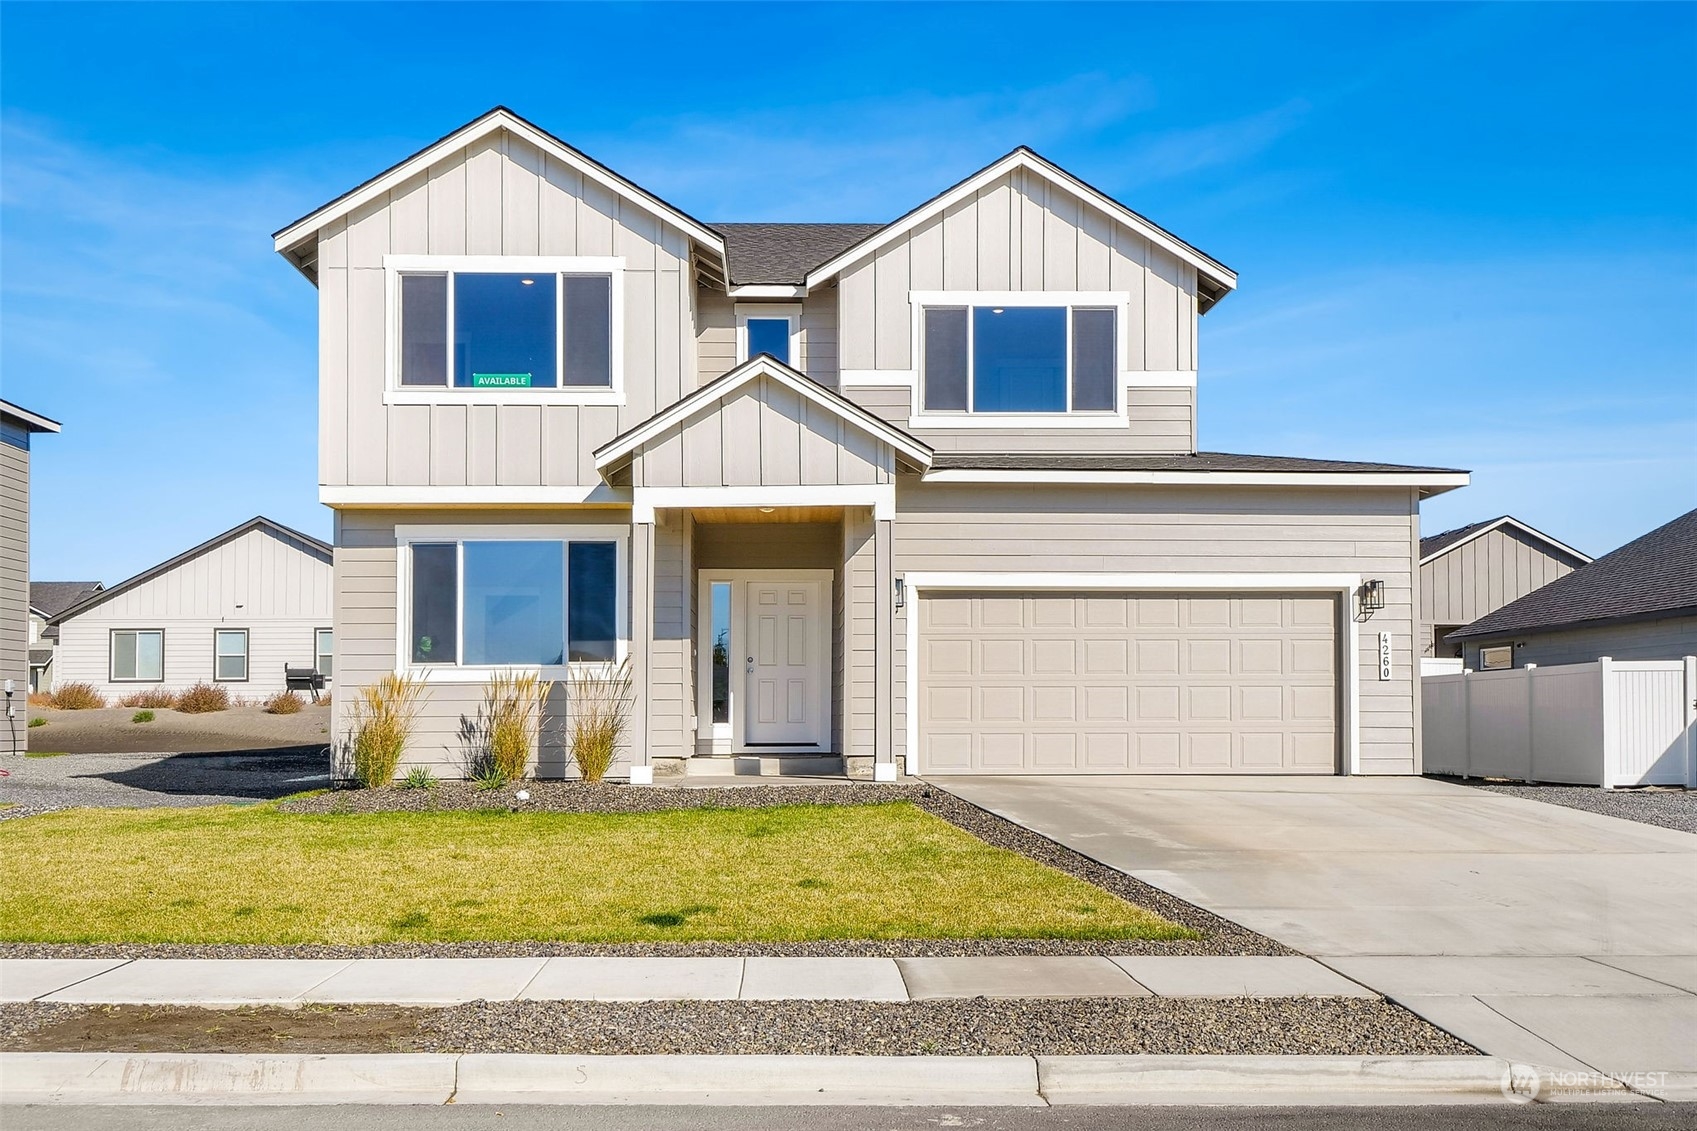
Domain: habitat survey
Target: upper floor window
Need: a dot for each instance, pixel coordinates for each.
(1016, 357)
(768, 328)
(503, 325)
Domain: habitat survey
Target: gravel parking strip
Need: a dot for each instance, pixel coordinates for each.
(1668, 807)
(978, 1027)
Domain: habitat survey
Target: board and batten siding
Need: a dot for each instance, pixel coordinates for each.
(1483, 574)
(1021, 233)
(499, 196)
(716, 335)
(1103, 529)
(277, 588)
(14, 560)
(1663, 638)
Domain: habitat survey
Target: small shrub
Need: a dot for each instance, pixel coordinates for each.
(203, 698)
(38, 722)
(598, 711)
(419, 777)
(511, 705)
(77, 697)
(153, 698)
(382, 720)
(142, 717)
(284, 703)
(489, 778)
(41, 699)
(323, 700)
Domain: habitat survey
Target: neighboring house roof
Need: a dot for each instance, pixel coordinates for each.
(321, 549)
(785, 253)
(1214, 278)
(618, 450)
(33, 421)
(40, 657)
(1649, 577)
(1435, 544)
(50, 598)
(291, 239)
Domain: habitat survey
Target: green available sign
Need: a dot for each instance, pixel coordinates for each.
(500, 380)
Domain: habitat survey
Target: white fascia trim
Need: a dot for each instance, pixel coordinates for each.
(471, 133)
(597, 494)
(1343, 584)
(1021, 159)
(1508, 520)
(881, 497)
(34, 420)
(1204, 478)
(764, 290)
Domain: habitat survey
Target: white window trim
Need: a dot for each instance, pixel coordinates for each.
(405, 536)
(789, 311)
(247, 655)
(112, 655)
(1343, 585)
(394, 393)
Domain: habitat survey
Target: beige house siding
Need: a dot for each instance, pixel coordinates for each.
(1482, 575)
(1161, 419)
(716, 334)
(14, 562)
(1101, 529)
(277, 588)
(1669, 638)
(499, 196)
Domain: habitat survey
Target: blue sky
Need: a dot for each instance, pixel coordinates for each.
(1466, 235)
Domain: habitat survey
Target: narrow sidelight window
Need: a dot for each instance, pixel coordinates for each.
(1093, 364)
(229, 655)
(721, 664)
(424, 329)
(946, 362)
(592, 586)
(769, 336)
(435, 603)
(589, 330)
(138, 655)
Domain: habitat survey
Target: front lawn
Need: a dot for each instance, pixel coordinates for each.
(255, 875)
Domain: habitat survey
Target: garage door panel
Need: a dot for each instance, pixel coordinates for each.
(1118, 683)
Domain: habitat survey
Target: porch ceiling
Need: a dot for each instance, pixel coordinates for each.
(773, 514)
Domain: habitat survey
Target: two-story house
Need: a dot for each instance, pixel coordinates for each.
(920, 495)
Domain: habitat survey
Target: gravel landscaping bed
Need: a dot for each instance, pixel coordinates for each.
(1053, 1027)
(70, 781)
(1219, 935)
(1669, 807)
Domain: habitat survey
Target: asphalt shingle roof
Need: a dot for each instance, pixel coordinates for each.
(1438, 543)
(785, 253)
(1199, 461)
(54, 597)
(1653, 574)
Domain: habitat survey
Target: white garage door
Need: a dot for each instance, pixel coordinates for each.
(1117, 683)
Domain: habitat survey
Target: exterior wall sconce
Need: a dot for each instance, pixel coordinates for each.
(1371, 595)
(901, 592)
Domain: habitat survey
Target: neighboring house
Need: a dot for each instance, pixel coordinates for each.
(17, 425)
(47, 599)
(235, 610)
(1637, 603)
(923, 493)
(1477, 569)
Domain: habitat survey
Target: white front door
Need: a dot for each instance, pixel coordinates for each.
(786, 664)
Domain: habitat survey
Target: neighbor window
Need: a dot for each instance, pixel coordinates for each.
(138, 654)
(323, 651)
(229, 655)
(505, 329)
(526, 603)
(1031, 359)
(1496, 659)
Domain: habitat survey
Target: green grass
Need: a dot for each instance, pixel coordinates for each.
(142, 717)
(38, 722)
(45, 753)
(255, 875)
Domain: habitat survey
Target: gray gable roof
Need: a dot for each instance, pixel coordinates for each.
(1652, 576)
(1200, 461)
(1438, 543)
(1434, 544)
(51, 598)
(785, 253)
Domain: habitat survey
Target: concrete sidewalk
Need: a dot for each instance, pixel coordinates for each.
(450, 981)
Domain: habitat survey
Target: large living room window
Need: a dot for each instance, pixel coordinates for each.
(529, 602)
(507, 327)
(1018, 357)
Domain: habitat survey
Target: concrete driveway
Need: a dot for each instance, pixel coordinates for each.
(1544, 934)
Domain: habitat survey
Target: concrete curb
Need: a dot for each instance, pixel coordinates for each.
(472, 1078)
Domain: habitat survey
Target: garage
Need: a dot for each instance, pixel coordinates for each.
(1128, 683)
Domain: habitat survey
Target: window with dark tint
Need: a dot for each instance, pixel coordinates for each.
(945, 359)
(1019, 359)
(513, 597)
(1093, 365)
(435, 603)
(504, 331)
(424, 329)
(769, 335)
(592, 629)
(588, 321)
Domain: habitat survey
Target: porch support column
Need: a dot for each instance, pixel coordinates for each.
(641, 645)
(884, 604)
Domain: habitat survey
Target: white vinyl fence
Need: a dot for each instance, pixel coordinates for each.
(1609, 723)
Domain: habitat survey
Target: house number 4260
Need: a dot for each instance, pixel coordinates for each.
(1384, 655)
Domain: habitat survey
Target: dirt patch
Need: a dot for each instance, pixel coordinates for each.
(108, 730)
(144, 1028)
